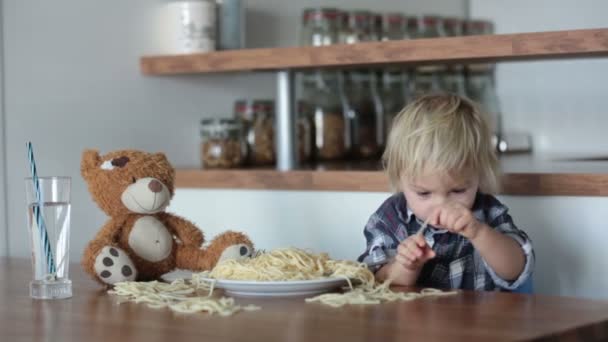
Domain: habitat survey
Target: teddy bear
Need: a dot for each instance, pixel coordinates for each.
(141, 241)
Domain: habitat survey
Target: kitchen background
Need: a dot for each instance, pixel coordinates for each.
(70, 80)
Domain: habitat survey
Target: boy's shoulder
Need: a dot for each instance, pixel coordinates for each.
(395, 205)
(395, 201)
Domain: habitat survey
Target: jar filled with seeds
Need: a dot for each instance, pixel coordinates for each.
(260, 134)
(222, 145)
(257, 118)
(324, 107)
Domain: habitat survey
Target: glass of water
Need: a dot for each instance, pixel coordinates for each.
(48, 223)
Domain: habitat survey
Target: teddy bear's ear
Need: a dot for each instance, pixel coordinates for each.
(90, 161)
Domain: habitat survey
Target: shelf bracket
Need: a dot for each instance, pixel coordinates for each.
(285, 146)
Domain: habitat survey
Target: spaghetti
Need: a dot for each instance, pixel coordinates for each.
(287, 264)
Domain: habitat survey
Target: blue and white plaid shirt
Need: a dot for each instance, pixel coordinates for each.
(457, 264)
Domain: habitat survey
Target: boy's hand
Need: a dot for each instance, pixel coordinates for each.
(457, 219)
(414, 252)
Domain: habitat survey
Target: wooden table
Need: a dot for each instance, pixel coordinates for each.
(92, 315)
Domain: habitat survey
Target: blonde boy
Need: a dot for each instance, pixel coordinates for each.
(440, 158)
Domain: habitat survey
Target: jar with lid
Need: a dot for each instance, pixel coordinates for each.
(478, 27)
(428, 26)
(412, 26)
(320, 26)
(357, 27)
(453, 26)
(394, 27)
(257, 117)
(324, 107)
(376, 30)
(222, 143)
(364, 119)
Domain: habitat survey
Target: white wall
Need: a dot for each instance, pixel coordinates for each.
(568, 233)
(3, 218)
(72, 82)
(561, 103)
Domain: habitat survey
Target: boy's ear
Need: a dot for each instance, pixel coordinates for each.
(90, 161)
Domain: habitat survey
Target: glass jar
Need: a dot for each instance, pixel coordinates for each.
(412, 26)
(222, 145)
(365, 121)
(376, 29)
(394, 27)
(426, 80)
(357, 27)
(393, 98)
(320, 26)
(257, 117)
(478, 27)
(453, 27)
(428, 26)
(324, 108)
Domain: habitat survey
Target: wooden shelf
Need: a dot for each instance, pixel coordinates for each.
(489, 48)
(523, 175)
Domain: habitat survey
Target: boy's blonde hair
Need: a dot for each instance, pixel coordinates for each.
(441, 133)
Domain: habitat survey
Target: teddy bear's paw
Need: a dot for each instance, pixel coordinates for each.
(238, 251)
(113, 265)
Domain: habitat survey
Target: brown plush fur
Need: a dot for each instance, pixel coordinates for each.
(106, 187)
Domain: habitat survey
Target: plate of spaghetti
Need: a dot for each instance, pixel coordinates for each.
(285, 272)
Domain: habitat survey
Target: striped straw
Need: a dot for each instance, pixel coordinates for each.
(44, 237)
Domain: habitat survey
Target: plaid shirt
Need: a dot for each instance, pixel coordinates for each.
(457, 264)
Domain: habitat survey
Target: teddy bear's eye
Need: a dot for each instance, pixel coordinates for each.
(133, 180)
(120, 162)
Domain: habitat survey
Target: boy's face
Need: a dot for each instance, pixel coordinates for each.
(433, 189)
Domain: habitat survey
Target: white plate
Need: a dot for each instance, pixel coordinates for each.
(247, 288)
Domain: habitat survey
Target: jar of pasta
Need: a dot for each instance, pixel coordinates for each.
(222, 145)
(324, 107)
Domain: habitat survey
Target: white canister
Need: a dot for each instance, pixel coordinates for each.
(191, 26)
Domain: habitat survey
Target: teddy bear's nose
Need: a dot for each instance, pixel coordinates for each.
(155, 186)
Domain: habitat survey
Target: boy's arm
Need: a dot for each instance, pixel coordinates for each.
(506, 250)
(502, 253)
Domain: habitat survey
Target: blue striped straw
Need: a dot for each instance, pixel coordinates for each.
(37, 211)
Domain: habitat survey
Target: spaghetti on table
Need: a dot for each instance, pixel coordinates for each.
(286, 264)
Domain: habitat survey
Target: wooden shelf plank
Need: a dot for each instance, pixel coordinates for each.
(521, 46)
(521, 184)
